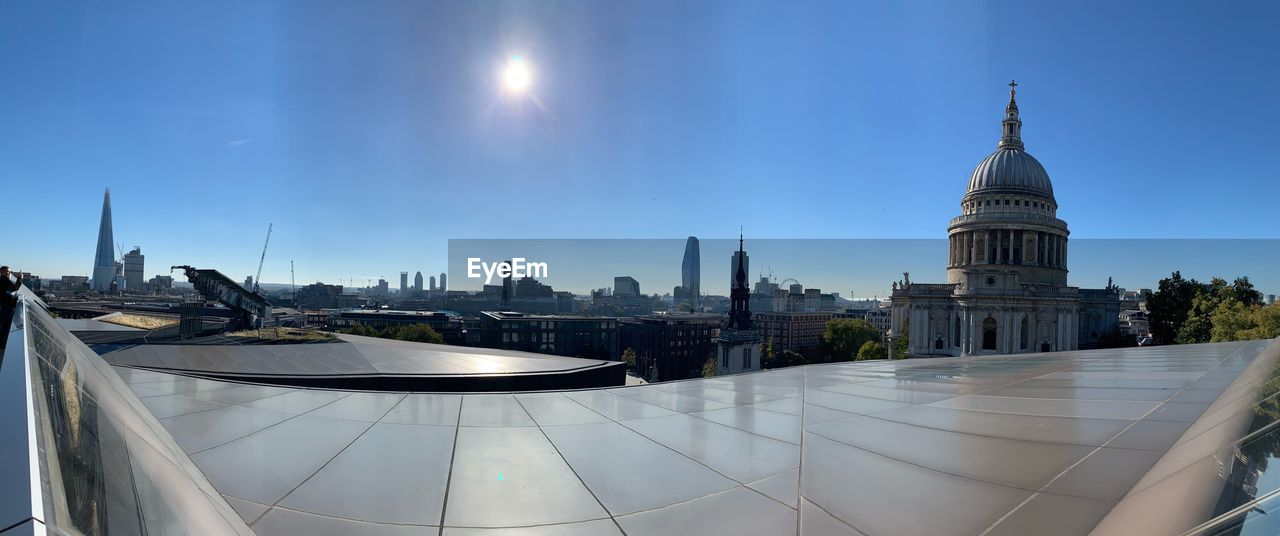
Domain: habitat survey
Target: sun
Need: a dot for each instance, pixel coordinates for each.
(517, 76)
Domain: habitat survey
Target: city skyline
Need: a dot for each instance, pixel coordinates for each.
(881, 119)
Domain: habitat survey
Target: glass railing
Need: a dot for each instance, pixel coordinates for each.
(99, 463)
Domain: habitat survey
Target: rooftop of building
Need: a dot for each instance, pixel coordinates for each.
(1155, 440)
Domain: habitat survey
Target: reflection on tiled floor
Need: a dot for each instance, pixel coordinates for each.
(1033, 444)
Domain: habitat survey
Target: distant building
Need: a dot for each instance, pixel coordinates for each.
(443, 282)
(739, 342)
(800, 332)
(880, 318)
(1135, 323)
(528, 287)
(417, 282)
(160, 284)
(322, 296)
(571, 336)
(104, 265)
(1271, 298)
(433, 284)
(248, 282)
(670, 346)
(690, 289)
(404, 282)
(133, 270)
(626, 286)
(738, 258)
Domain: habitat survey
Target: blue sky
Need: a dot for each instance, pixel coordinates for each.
(370, 133)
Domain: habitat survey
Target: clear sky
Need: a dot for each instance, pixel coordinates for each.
(370, 133)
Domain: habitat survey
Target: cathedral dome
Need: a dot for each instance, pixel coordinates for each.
(1012, 170)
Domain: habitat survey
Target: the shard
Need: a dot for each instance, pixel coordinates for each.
(104, 268)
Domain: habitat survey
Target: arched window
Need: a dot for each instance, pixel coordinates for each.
(1025, 335)
(989, 334)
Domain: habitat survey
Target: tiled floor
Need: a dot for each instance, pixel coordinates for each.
(1032, 444)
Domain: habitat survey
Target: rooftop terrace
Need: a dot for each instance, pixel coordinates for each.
(1155, 440)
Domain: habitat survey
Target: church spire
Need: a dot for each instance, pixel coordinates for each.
(1011, 135)
(741, 277)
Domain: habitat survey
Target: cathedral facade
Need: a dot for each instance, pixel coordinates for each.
(1006, 289)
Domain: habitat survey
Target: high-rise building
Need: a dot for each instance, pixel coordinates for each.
(443, 286)
(133, 262)
(691, 272)
(433, 283)
(104, 262)
(404, 282)
(739, 258)
(248, 283)
(626, 286)
(417, 282)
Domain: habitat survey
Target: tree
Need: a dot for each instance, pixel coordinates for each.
(361, 329)
(843, 337)
(709, 367)
(410, 332)
(871, 350)
(415, 333)
(900, 343)
(629, 357)
(790, 359)
(1170, 304)
(1234, 321)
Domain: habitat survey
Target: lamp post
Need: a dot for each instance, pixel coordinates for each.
(888, 344)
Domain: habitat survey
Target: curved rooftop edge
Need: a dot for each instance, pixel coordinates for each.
(1157, 440)
(373, 364)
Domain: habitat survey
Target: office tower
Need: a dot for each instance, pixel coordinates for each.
(104, 265)
(626, 286)
(433, 283)
(417, 282)
(404, 282)
(691, 272)
(133, 268)
(443, 286)
(739, 258)
(248, 283)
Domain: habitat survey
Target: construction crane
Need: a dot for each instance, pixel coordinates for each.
(258, 277)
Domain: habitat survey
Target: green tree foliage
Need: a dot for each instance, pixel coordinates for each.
(1170, 304)
(709, 367)
(629, 357)
(1199, 325)
(360, 329)
(900, 342)
(409, 332)
(1186, 311)
(413, 332)
(843, 337)
(1235, 321)
(787, 358)
(871, 350)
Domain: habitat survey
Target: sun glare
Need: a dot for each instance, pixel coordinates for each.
(516, 76)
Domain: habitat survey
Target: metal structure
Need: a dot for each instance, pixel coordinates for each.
(251, 309)
(258, 278)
